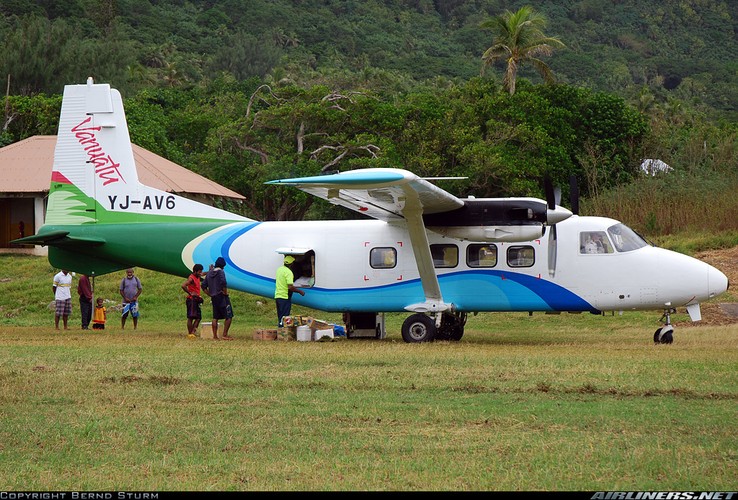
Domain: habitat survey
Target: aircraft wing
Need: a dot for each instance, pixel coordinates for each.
(390, 194)
(381, 193)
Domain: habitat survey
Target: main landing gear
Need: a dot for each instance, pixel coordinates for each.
(424, 328)
(665, 334)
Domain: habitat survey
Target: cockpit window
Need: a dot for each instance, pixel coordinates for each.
(625, 239)
(594, 242)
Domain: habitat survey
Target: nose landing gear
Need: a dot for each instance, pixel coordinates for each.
(665, 334)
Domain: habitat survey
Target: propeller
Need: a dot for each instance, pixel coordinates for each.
(550, 192)
(554, 213)
(573, 195)
(553, 198)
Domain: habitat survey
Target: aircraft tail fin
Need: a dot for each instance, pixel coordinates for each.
(94, 177)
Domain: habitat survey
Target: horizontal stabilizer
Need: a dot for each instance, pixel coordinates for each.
(59, 238)
(41, 239)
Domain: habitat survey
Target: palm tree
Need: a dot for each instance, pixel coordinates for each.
(519, 38)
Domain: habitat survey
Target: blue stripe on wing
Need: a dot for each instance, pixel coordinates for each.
(352, 177)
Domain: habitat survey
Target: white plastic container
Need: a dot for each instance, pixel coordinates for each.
(328, 333)
(303, 333)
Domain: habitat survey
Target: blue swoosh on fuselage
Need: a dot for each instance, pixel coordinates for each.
(469, 290)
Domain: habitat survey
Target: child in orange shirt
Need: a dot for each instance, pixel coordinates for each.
(99, 317)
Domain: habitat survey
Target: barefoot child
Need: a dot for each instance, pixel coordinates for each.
(98, 320)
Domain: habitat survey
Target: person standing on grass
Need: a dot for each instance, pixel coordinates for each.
(101, 314)
(130, 289)
(84, 289)
(216, 286)
(62, 288)
(192, 288)
(284, 288)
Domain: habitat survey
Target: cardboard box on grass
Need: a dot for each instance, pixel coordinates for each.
(287, 333)
(316, 324)
(290, 321)
(264, 334)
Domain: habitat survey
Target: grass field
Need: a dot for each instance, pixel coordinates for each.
(567, 402)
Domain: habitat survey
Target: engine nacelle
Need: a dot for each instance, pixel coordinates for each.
(496, 219)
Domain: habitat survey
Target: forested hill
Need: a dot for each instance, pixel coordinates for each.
(683, 49)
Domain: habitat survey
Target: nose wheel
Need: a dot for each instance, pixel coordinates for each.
(665, 334)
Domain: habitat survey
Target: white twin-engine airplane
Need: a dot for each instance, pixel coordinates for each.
(425, 250)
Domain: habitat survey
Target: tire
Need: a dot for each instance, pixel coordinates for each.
(656, 335)
(457, 333)
(452, 327)
(666, 338)
(418, 328)
(442, 334)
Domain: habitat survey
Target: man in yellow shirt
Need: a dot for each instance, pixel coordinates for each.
(284, 288)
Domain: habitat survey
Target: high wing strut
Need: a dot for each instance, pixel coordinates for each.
(391, 195)
(413, 213)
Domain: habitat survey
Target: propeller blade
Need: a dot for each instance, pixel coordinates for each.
(574, 195)
(554, 213)
(552, 251)
(550, 194)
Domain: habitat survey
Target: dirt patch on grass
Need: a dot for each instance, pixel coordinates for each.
(720, 313)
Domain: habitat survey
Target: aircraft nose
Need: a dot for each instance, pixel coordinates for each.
(717, 282)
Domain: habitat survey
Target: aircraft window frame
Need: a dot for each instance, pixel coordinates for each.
(594, 242)
(383, 258)
(445, 255)
(625, 239)
(515, 259)
(476, 259)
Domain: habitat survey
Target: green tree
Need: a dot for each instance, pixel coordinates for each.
(518, 39)
(43, 55)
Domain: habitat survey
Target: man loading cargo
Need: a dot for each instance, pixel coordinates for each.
(283, 289)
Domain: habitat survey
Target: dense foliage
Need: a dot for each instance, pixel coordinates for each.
(243, 134)
(245, 91)
(681, 49)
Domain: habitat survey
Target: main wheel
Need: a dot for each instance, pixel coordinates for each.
(418, 328)
(452, 326)
(457, 333)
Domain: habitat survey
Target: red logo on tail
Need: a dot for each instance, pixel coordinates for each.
(105, 167)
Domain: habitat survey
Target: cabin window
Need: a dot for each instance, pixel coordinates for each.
(594, 242)
(481, 255)
(521, 256)
(445, 255)
(383, 258)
